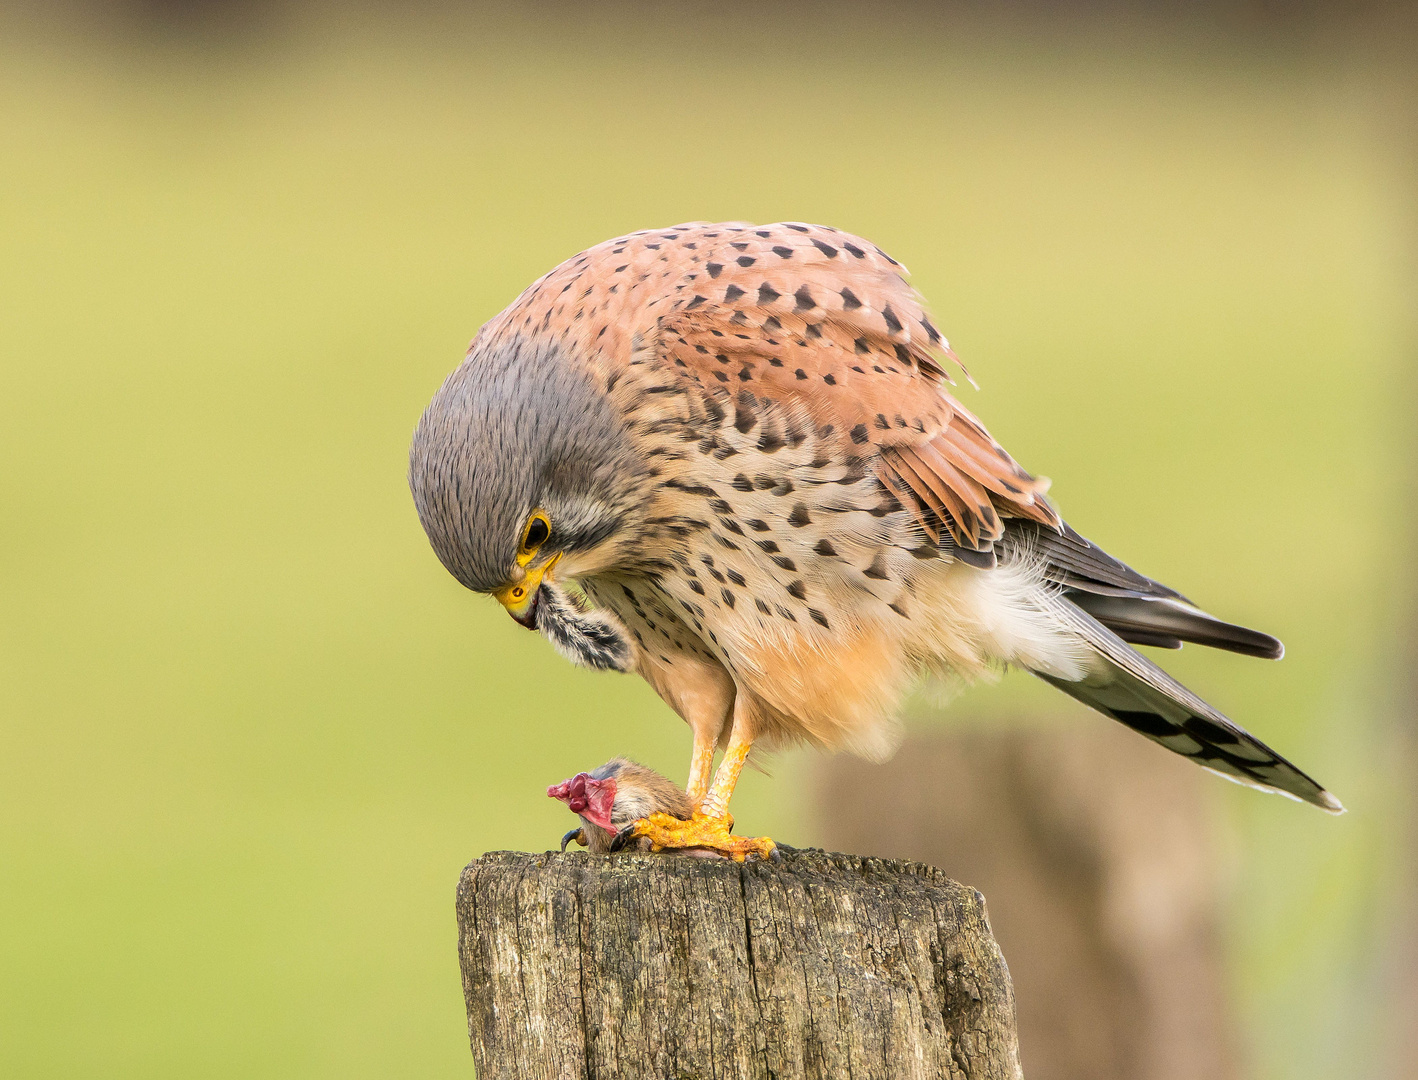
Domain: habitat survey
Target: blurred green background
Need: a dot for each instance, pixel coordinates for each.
(250, 730)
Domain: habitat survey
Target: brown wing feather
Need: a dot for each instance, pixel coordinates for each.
(929, 521)
(933, 491)
(810, 315)
(982, 522)
(799, 314)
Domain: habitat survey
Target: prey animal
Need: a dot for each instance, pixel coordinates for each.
(612, 799)
(726, 458)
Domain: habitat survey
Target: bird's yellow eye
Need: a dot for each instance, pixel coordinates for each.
(534, 535)
(518, 592)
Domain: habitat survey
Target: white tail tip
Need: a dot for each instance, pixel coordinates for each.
(1330, 804)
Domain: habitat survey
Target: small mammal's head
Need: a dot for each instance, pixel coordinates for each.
(611, 797)
(589, 796)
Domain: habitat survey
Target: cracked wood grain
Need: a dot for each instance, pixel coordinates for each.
(578, 967)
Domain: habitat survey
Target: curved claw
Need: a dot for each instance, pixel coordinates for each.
(625, 836)
(574, 834)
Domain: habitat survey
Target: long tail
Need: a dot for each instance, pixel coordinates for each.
(1166, 622)
(1134, 691)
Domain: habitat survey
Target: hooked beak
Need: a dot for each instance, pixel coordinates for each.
(520, 598)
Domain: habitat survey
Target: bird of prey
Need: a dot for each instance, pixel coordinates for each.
(725, 457)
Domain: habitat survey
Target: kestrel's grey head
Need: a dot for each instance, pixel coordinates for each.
(520, 464)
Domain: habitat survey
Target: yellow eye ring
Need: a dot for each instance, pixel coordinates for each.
(534, 535)
(518, 592)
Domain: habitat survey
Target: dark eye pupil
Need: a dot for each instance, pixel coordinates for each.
(537, 533)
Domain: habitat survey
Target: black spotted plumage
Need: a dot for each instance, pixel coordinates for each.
(776, 397)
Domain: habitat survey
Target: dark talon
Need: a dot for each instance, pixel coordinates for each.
(776, 855)
(574, 834)
(623, 838)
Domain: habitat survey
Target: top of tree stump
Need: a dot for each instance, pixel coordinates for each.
(824, 965)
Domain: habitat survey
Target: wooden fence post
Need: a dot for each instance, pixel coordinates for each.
(660, 967)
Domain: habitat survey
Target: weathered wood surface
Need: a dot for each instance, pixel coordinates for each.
(823, 966)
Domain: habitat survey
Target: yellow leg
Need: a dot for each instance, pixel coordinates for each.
(716, 803)
(699, 766)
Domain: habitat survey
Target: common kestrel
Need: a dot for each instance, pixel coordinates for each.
(736, 442)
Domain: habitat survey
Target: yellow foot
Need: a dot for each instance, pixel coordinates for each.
(701, 834)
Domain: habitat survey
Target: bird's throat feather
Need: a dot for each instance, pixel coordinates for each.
(593, 639)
